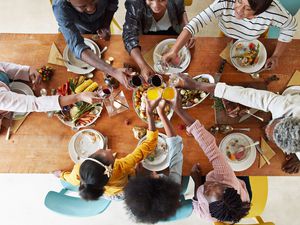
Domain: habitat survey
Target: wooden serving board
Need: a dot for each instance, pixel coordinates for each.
(220, 114)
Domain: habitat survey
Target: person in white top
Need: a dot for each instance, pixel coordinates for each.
(14, 102)
(155, 17)
(242, 20)
(283, 129)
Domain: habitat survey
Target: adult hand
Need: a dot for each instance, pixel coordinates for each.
(35, 77)
(104, 33)
(89, 97)
(186, 82)
(123, 77)
(152, 104)
(272, 62)
(146, 72)
(292, 165)
(169, 57)
(191, 43)
(196, 173)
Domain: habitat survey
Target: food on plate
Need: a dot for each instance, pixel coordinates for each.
(235, 151)
(46, 72)
(178, 59)
(232, 109)
(160, 149)
(139, 102)
(139, 132)
(247, 55)
(192, 97)
(79, 114)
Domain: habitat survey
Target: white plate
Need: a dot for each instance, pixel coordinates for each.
(20, 88)
(250, 157)
(72, 125)
(293, 90)
(161, 155)
(84, 143)
(164, 164)
(68, 55)
(251, 68)
(159, 49)
(210, 79)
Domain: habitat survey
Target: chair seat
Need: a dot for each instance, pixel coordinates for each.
(74, 206)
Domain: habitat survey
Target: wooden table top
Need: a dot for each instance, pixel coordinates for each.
(40, 145)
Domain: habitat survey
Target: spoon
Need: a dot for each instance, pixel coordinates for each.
(248, 146)
(256, 75)
(257, 117)
(226, 129)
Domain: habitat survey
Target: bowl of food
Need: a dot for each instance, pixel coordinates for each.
(233, 148)
(248, 56)
(178, 65)
(191, 98)
(139, 98)
(80, 114)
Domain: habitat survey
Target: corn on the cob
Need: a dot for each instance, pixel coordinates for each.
(80, 80)
(92, 87)
(83, 86)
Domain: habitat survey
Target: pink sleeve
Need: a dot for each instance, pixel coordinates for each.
(15, 71)
(222, 172)
(10, 101)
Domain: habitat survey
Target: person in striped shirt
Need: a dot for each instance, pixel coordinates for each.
(242, 20)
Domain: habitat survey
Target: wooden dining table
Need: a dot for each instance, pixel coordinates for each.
(41, 143)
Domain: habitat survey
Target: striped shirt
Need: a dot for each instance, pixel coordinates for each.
(245, 29)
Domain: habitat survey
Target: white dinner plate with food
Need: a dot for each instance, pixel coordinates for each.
(158, 160)
(20, 88)
(77, 64)
(248, 56)
(178, 65)
(192, 98)
(84, 143)
(238, 157)
(139, 105)
(96, 111)
(293, 90)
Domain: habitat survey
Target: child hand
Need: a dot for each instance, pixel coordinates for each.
(176, 101)
(196, 173)
(161, 106)
(152, 104)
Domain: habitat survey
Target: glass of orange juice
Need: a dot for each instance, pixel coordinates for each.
(168, 93)
(154, 93)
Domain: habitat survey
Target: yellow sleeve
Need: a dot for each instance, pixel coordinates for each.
(141, 152)
(73, 176)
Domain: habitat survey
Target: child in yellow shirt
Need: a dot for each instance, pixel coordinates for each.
(102, 174)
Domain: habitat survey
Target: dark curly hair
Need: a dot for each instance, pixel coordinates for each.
(259, 6)
(230, 207)
(150, 199)
(92, 179)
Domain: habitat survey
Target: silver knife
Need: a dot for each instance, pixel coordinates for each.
(246, 116)
(262, 154)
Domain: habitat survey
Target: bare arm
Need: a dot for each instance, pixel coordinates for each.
(169, 129)
(146, 70)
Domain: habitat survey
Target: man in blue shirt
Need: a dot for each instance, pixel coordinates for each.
(76, 17)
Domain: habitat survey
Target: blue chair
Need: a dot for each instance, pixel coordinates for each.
(186, 206)
(290, 5)
(64, 204)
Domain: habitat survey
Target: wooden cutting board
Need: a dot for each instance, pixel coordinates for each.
(220, 113)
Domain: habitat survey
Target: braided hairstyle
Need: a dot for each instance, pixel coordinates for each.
(92, 179)
(230, 207)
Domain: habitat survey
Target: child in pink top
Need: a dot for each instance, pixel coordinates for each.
(223, 197)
